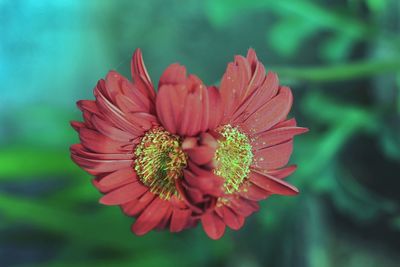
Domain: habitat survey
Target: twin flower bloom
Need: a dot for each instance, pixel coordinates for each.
(188, 153)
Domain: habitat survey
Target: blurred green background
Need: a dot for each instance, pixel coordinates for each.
(340, 57)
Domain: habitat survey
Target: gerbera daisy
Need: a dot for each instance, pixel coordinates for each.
(252, 143)
(189, 152)
(136, 162)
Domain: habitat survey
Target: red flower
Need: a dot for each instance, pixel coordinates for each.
(189, 152)
(121, 140)
(255, 143)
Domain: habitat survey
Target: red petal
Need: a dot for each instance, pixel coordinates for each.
(129, 206)
(110, 131)
(253, 192)
(282, 173)
(169, 105)
(271, 113)
(99, 143)
(257, 74)
(136, 206)
(183, 191)
(192, 195)
(143, 120)
(263, 94)
(215, 106)
(118, 178)
(94, 166)
(179, 219)
(142, 100)
(273, 157)
(150, 217)
(267, 91)
(173, 74)
(124, 194)
(230, 90)
(113, 85)
(272, 184)
(190, 124)
(177, 203)
(114, 181)
(201, 154)
(211, 184)
(205, 110)
(87, 118)
(243, 206)
(117, 86)
(276, 136)
(199, 171)
(77, 125)
(231, 219)
(245, 87)
(189, 142)
(166, 220)
(115, 115)
(208, 140)
(287, 123)
(80, 151)
(133, 101)
(183, 104)
(140, 76)
(252, 87)
(88, 105)
(213, 225)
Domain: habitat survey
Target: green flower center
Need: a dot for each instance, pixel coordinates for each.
(234, 156)
(160, 161)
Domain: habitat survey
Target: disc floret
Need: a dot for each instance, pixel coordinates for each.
(160, 161)
(234, 156)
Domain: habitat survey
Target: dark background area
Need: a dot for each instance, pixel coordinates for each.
(340, 57)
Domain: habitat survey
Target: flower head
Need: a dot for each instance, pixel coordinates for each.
(189, 152)
(255, 143)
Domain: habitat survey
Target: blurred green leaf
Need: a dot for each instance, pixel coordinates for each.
(288, 35)
(391, 142)
(145, 259)
(337, 48)
(89, 229)
(328, 111)
(376, 6)
(357, 201)
(340, 72)
(27, 162)
(324, 150)
(221, 12)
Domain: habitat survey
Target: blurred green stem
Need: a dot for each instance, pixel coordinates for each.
(340, 72)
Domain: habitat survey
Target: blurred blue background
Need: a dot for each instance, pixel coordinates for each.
(341, 59)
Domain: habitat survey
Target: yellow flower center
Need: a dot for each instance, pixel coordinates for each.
(234, 156)
(160, 161)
